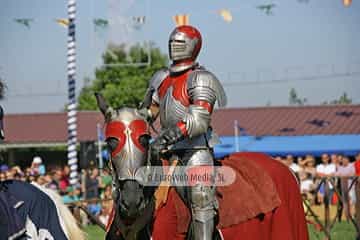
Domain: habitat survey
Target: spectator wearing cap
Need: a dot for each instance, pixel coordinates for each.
(37, 166)
(70, 195)
(67, 197)
(3, 169)
(77, 192)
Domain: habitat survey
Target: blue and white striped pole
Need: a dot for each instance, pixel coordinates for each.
(71, 73)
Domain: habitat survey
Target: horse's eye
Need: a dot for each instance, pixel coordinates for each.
(112, 143)
(144, 140)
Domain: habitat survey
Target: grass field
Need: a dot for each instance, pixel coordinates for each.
(94, 232)
(341, 231)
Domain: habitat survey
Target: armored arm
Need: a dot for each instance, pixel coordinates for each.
(204, 90)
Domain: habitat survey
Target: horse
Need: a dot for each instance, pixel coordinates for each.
(127, 137)
(31, 211)
(264, 202)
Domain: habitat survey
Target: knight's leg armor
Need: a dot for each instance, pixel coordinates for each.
(202, 199)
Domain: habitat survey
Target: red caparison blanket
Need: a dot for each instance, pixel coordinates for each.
(264, 202)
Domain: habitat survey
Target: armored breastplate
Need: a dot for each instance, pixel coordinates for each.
(174, 103)
(174, 100)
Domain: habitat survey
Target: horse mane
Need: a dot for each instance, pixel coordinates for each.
(66, 219)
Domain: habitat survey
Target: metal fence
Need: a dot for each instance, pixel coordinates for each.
(341, 186)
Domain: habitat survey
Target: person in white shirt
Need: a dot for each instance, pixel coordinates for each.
(325, 169)
(306, 185)
(291, 164)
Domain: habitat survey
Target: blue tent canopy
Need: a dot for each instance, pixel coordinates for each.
(295, 145)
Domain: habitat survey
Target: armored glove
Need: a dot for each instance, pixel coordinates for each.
(166, 138)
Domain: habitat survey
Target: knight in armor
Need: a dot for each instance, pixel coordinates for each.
(184, 96)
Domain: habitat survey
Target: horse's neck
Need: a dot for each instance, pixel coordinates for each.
(115, 231)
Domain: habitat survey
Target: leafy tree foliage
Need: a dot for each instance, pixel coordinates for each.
(343, 99)
(294, 99)
(123, 85)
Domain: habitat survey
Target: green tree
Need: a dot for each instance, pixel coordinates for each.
(343, 99)
(123, 85)
(294, 99)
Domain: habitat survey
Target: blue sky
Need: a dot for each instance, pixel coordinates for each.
(307, 46)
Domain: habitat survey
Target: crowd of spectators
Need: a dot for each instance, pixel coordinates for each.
(311, 177)
(95, 185)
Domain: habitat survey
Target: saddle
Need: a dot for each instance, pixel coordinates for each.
(251, 195)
